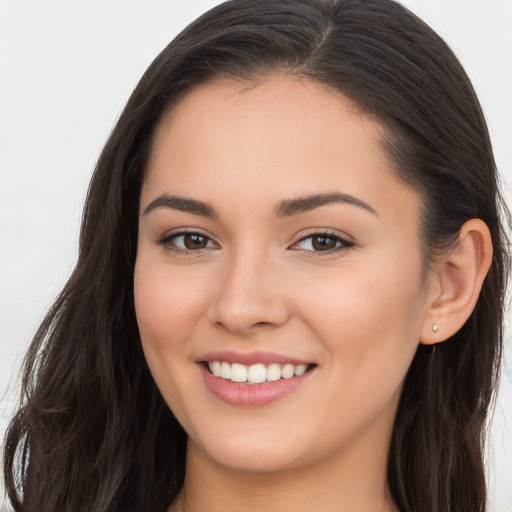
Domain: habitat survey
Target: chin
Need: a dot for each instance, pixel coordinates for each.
(249, 452)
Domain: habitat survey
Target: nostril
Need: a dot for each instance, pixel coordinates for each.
(232, 326)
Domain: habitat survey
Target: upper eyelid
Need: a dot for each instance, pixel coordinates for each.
(187, 231)
(345, 242)
(329, 232)
(168, 238)
(166, 242)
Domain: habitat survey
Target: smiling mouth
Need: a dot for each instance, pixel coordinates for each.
(256, 373)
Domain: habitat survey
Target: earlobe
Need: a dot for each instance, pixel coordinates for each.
(456, 282)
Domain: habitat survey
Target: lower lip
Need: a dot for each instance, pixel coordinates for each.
(251, 395)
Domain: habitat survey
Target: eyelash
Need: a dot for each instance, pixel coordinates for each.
(167, 242)
(340, 243)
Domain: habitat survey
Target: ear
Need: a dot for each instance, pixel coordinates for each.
(456, 279)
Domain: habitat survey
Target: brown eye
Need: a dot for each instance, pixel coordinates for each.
(323, 242)
(194, 241)
(182, 242)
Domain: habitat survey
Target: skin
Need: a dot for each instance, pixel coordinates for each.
(357, 313)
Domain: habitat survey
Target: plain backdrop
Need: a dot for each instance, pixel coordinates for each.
(66, 70)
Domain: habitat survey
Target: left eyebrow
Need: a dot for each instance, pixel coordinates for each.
(304, 204)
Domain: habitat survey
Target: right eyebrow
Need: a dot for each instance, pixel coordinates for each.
(182, 204)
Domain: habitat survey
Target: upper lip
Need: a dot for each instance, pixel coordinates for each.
(250, 358)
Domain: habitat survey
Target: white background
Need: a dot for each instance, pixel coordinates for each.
(66, 70)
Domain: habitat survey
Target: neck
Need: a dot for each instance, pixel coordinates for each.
(356, 484)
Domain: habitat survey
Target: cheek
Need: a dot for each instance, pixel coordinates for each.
(168, 309)
(167, 303)
(369, 319)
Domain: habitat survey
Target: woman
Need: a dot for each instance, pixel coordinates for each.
(290, 280)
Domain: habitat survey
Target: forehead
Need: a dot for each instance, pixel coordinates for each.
(255, 112)
(228, 140)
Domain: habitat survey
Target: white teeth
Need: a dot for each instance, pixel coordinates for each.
(238, 372)
(273, 372)
(299, 370)
(288, 371)
(256, 373)
(215, 368)
(225, 370)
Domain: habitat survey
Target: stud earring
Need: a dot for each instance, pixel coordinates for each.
(435, 327)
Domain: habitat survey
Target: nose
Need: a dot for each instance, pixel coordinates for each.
(252, 296)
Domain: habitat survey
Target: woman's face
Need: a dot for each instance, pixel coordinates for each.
(274, 240)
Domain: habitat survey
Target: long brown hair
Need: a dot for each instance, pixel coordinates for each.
(93, 433)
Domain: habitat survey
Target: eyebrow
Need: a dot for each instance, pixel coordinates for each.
(183, 204)
(304, 204)
(286, 208)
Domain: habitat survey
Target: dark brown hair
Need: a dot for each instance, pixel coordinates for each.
(93, 432)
